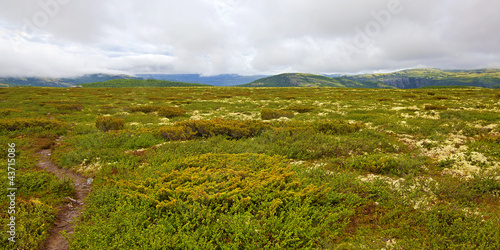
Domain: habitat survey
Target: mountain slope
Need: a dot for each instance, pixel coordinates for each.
(310, 80)
(416, 78)
(218, 80)
(60, 82)
(132, 83)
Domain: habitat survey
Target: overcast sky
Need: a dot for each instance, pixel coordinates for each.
(73, 37)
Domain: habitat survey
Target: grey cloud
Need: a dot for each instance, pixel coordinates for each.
(246, 37)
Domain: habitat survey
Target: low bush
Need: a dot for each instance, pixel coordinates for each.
(107, 123)
(384, 99)
(145, 109)
(301, 109)
(409, 96)
(168, 112)
(68, 107)
(441, 98)
(399, 165)
(106, 107)
(23, 123)
(233, 129)
(214, 201)
(175, 133)
(171, 112)
(336, 126)
(435, 107)
(8, 111)
(270, 114)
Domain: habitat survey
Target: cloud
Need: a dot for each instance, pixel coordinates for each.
(68, 37)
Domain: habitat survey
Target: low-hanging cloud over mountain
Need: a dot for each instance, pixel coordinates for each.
(70, 37)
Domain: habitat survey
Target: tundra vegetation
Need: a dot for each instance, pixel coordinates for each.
(258, 168)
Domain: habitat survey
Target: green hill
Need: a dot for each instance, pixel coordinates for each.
(60, 82)
(310, 80)
(132, 83)
(417, 78)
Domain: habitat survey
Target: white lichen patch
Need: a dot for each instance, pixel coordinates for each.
(283, 119)
(418, 193)
(297, 163)
(242, 116)
(433, 115)
(89, 167)
(165, 121)
(196, 117)
(464, 164)
(453, 145)
(390, 244)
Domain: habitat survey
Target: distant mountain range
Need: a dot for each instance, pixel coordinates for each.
(310, 80)
(218, 80)
(60, 82)
(131, 83)
(417, 78)
(404, 79)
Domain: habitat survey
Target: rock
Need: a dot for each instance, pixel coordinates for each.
(71, 199)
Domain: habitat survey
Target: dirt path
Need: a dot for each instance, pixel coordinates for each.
(69, 211)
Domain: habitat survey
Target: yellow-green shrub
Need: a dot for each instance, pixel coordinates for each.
(171, 112)
(233, 129)
(435, 107)
(384, 99)
(144, 109)
(301, 109)
(236, 200)
(336, 126)
(106, 123)
(8, 111)
(63, 107)
(409, 96)
(22, 123)
(441, 98)
(269, 114)
(106, 107)
(175, 133)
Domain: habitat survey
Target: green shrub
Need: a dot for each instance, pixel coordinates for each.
(336, 126)
(106, 107)
(269, 114)
(8, 111)
(387, 164)
(106, 123)
(233, 129)
(171, 112)
(441, 98)
(23, 123)
(144, 109)
(301, 109)
(435, 107)
(409, 96)
(175, 133)
(384, 99)
(66, 107)
(212, 201)
(431, 93)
